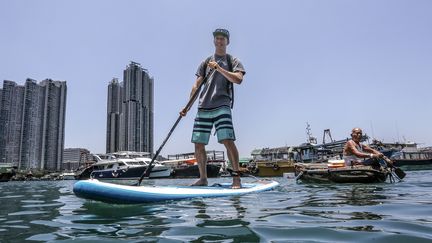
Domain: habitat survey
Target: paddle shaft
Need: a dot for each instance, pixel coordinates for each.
(187, 107)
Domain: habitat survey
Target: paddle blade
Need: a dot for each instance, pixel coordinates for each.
(400, 173)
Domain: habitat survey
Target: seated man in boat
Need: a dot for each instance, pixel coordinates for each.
(355, 153)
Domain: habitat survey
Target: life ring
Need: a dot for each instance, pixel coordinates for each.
(275, 167)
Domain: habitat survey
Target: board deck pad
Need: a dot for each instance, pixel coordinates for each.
(123, 194)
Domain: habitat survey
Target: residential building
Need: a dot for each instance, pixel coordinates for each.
(130, 111)
(32, 121)
(74, 158)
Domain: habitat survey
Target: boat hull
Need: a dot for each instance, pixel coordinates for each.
(361, 174)
(411, 162)
(192, 171)
(274, 169)
(131, 173)
(6, 173)
(6, 176)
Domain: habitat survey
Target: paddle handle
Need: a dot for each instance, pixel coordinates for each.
(388, 161)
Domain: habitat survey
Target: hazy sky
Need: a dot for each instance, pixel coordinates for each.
(334, 64)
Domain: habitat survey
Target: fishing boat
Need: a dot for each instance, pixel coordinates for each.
(405, 153)
(323, 172)
(403, 158)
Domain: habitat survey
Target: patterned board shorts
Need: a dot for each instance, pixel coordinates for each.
(204, 121)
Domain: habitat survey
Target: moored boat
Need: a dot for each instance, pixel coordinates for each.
(123, 169)
(67, 176)
(271, 162)
(415, 158)
(128, 169)
(185, 165)
(274, 168)
(188, 171)
(405, 154)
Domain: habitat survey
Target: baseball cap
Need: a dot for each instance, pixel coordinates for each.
(223, 32)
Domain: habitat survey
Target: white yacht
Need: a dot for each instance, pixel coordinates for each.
(123, 166)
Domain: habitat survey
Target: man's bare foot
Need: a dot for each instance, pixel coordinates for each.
(236, 182)
(200, 182)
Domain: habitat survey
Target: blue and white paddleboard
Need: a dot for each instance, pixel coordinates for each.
(113, 193)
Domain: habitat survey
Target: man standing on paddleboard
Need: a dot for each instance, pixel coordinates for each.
(215, 104)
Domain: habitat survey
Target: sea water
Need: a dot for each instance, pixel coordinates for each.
(48, 211)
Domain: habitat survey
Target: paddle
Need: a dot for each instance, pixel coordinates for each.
(192, 99)
(398, 171)
(394, 171)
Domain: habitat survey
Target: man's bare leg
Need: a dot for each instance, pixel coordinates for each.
(201, 157)
(233, 156)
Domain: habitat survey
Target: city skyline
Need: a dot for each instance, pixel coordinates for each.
(334, 64)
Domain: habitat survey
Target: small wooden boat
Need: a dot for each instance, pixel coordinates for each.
(321, 172)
